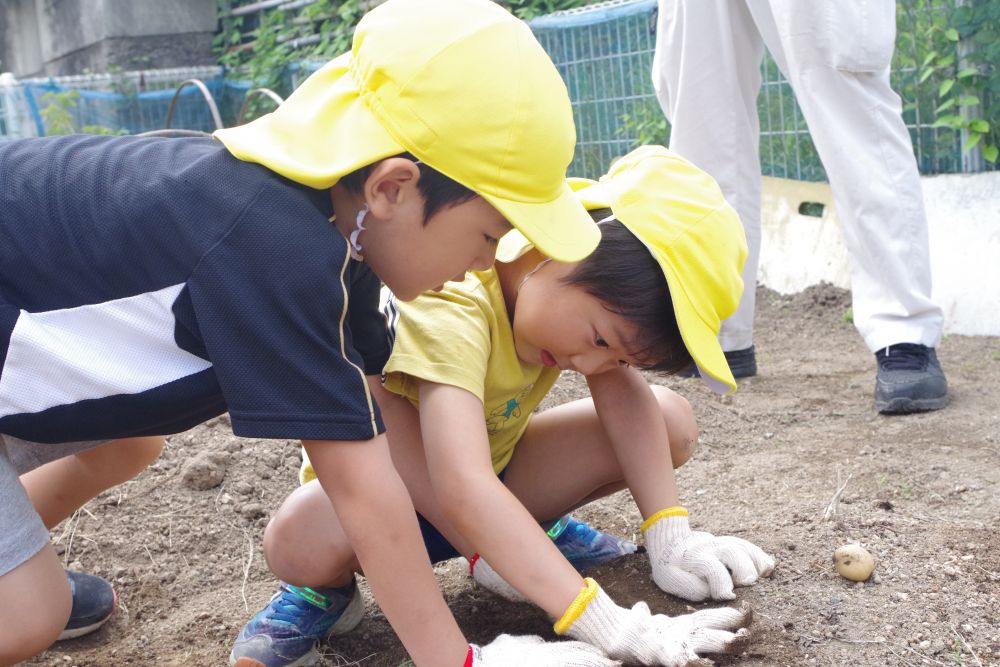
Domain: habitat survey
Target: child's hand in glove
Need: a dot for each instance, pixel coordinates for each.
(697, 565)
(531, 651)
(635, 636)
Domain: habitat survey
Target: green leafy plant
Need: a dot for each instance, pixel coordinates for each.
(262, 47)
(646, 124)
(57, 115)
(958, 51)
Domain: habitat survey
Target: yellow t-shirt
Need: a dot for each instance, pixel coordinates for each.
(461, 336)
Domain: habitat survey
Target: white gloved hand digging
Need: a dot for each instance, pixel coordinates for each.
(696, 565)
(637, 637)
(532, 651)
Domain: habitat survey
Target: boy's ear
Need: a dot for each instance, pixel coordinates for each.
(391, 184)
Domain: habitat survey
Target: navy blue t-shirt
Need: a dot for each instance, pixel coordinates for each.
(148, 284)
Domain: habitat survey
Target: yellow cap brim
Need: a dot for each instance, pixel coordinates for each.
(699, 338)
(320, 134)
(662, 199)
(561, 229)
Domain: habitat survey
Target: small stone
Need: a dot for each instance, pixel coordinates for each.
(899, 596)
(205, 471)
(252, 510)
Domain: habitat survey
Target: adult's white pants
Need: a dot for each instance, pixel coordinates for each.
(836, 55)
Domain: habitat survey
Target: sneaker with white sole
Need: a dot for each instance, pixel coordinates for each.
(584, 546)
(286, 631)
(94, 602)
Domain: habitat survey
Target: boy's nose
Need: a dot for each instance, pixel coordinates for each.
(592, 363)
(485, 260)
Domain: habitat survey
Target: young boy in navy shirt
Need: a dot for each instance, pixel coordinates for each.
(147, 285)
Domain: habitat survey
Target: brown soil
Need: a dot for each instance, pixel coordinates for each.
(923, 498)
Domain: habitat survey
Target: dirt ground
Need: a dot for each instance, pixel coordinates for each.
(922, 497)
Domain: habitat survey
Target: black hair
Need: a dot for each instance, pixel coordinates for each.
(624, 276)
(439, 191)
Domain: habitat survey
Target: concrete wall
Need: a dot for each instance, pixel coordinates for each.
(59, 37)
(963, 215)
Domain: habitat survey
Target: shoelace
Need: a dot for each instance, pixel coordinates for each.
(288, 607)
(904, 357)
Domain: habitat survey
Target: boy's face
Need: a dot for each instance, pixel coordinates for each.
(556, 324)
(412, 254)
(422, 256)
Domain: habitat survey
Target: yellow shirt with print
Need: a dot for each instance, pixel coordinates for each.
(461, 336)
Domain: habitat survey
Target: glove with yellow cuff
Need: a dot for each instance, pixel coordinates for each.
(696, 565)
(636, 636)
(533, 651)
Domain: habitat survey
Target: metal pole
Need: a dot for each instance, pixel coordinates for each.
(972, 159)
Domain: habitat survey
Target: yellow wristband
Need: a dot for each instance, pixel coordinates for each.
(676, 510)
(577, 607)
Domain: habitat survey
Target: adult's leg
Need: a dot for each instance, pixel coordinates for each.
(837, 61)
(60, 487)
(706, 72)
(565, 460)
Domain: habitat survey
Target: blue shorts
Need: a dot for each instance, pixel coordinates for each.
(439, 548)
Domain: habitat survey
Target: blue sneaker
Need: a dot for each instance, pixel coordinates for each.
(285, 632)
(94, 602)
(584, 546)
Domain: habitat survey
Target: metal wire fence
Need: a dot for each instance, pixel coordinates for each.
(604, 52)
(117, 103)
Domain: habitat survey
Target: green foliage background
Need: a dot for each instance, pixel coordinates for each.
(262, 47)
(951, 64)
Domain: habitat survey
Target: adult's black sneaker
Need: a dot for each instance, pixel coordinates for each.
(909, 379)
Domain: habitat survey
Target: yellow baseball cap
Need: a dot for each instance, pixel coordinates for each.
(462, 85)
(679, 213)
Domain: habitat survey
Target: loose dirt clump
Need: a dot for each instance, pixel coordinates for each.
(923, 500)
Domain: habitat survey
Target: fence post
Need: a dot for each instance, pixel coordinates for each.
(8, 111)
(972, 160)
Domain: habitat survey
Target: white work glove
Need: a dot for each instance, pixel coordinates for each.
(532, 651)
(696, 565)
(635, 636)
(488, 578)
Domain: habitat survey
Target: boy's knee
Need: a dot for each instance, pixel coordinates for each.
(42, 579)
(128, 456)
(143, 451)
(682, 427)
(301, 541)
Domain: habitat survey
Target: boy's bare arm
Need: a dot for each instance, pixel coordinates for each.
(691, 565)
(377, 515)
(481, 507)
(631, 416)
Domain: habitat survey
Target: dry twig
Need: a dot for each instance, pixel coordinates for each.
(966, 645)
(246, 569)
(830, 512)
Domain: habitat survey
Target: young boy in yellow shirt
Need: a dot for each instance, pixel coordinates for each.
(149, 284)
(472, 361)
